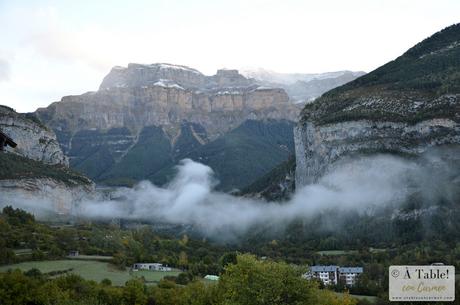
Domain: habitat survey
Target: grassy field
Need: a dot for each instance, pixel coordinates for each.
(153, 276)
(91, 270)
(369, 298)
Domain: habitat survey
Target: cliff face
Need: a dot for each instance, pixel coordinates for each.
(43, 195)
(35, 174)
(134, 108)
(405, 107)
(145, 118)
(34, 140)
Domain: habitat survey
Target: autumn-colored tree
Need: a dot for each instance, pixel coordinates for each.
(183, 260)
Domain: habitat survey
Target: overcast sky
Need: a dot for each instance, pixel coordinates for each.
(49, 49)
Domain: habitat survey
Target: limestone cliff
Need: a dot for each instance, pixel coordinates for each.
(218, 111)
(405, 107)
(35, 174)
(43, 194)
(34, 140)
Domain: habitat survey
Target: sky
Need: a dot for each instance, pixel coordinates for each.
(49, 49)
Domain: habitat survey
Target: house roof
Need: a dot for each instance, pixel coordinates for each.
(323, 268)
(351, 270)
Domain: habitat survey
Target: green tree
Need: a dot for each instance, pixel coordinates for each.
(134, 292)
(228, 258)
(182, 279)
(106, 282)
(255, 282)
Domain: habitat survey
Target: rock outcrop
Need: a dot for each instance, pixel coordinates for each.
(138, 75)
(405, 107)
(43, 196)
(35, 141)
(218, 111)
(35, 174)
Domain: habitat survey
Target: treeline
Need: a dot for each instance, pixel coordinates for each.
(19, 230)
(245, 281)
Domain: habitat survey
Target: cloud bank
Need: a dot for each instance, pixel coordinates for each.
(362, 185)
(190, 198)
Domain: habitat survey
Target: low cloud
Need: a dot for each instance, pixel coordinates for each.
(190, 199)
(361, 185)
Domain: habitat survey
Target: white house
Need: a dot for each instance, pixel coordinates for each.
(331, 275)
(327, 274)
(212, 277)
(349, 275)
(151, 267)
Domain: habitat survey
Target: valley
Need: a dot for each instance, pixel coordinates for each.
(229, 190)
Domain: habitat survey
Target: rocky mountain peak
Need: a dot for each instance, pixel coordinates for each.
(138, 75)
(161, 74)
(231, 78)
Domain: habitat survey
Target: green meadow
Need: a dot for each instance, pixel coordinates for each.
(91, 270)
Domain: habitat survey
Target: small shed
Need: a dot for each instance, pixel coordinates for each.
(6, 140)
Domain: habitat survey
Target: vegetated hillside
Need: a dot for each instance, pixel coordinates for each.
(16, 167)
(247, 152)
(406, 107)
(422, 83)
(277, 184)
(237, 157)
(150, 153)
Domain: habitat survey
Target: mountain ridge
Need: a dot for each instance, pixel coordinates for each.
(303, 87)
(406, 106)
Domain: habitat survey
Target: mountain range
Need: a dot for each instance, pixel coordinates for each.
(302, 87)
(145, 118)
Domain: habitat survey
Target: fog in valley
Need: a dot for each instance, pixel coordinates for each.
(362, 185)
